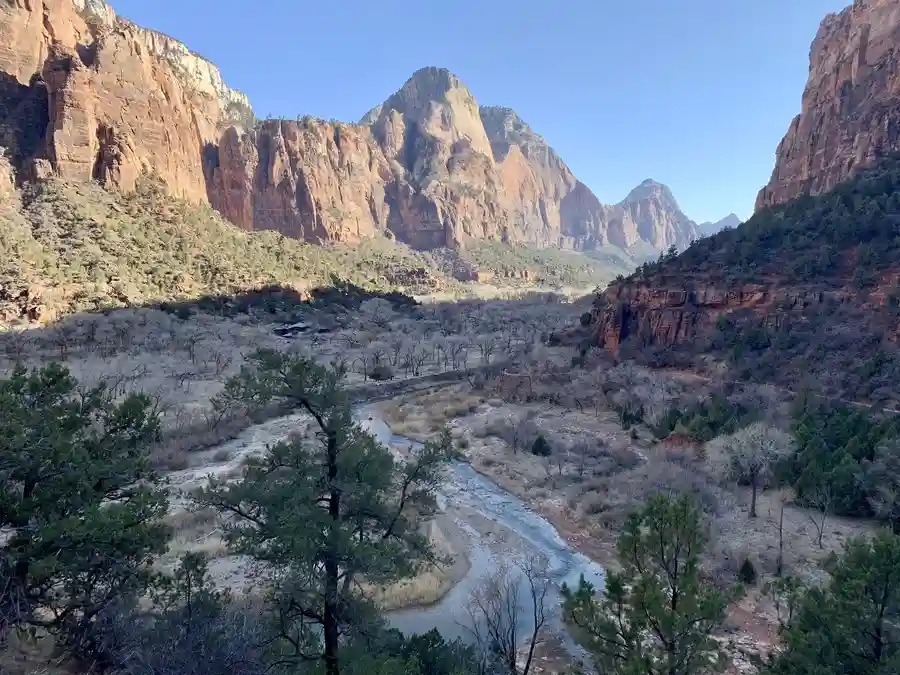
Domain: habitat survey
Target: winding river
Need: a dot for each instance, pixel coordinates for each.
(466, 492)
(468, 498)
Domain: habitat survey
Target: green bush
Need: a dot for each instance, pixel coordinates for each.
(706, 420)
(540, 447)
(382, 372)
(747, 574)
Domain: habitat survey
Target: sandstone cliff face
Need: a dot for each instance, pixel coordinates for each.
(88, 95)
(96, 97)
(850, 112)
(535, 183)
(665, 316)
(310, 180)
(650, 214)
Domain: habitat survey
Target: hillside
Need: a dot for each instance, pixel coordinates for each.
(805, 294)
(86, 95)
(69, 247)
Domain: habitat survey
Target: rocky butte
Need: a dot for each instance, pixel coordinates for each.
(87, 95)
(850, 112)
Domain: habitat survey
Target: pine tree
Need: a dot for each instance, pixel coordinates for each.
(80, 507)
(657, 616)
(850, 625)
(323, 513)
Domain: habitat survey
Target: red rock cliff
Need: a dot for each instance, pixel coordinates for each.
(665, 316)
(90, 96)
(850, 112)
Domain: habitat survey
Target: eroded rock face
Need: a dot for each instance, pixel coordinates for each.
(310, 180)
(100, 98)
(664, 316)
(554, 208)
(90, 96)
(850, 112)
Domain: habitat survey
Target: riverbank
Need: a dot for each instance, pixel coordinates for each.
(434, 582)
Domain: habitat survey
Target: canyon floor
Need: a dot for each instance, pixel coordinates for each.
(497, 374)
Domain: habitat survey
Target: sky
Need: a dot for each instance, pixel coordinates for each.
(695, 94)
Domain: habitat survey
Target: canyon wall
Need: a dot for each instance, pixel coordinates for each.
(88, 95)
(850, 110)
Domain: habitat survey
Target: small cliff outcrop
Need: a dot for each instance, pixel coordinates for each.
(656, 315)
(850, 111)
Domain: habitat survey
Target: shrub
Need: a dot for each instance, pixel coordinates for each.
(540, 447)
(382, 372)
(747, 574)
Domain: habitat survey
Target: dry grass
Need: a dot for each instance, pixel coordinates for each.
(420, 415)
(432, 583)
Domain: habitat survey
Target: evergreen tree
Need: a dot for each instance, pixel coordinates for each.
(850, 626)
(541, 447)
(80, 507)
(322, 513)
(657, 616)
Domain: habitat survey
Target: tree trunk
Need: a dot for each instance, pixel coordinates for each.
(330, 619)
(780, 565)
(753, 481)
(330, 615)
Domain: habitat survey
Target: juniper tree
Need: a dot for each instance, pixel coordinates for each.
(657, 616)
(322, 513)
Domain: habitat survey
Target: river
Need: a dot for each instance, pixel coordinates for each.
(466, 497)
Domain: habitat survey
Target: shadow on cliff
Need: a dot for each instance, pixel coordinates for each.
(24, 117)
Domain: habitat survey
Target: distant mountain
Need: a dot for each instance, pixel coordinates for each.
(709, 228)
(652, 215)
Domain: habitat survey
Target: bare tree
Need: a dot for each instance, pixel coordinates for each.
(581, 449)
(821, 496)
(458, 347)
(63, 336)
(487, 345)
(507, 612)
(784, 497)
(414, 358)
(377, 311)
(519, 431)
(751, 454)
(396, 343)
(16, 344)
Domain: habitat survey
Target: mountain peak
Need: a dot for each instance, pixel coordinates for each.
(708, 228)
(651, 189)
(431, 83)
(425, 87)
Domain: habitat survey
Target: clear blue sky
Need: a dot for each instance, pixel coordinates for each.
(693, 93)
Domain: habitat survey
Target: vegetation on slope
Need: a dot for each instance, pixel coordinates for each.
(832, 266)
(77, 247)
(360, 508)
(547, 266)
(851, 233)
